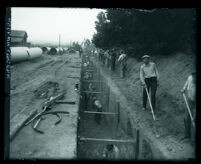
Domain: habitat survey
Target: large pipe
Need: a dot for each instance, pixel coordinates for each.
(53, 51)
(24, 53)
(19, 54)
(45, 49)
(34, 53)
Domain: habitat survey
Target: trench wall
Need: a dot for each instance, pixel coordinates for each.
(123, 126)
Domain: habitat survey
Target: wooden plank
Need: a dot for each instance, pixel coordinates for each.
(105, 140)
(137, 145)
(95, 81)
(90, 92)
(92, 112)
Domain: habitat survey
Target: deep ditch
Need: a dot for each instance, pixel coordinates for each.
(112, 126)
(120, 125)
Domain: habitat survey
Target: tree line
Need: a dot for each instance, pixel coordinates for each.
(155, 31)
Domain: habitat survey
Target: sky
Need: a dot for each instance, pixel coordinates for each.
(45, 24)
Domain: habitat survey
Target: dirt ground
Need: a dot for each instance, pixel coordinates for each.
(32, 83)
(28, 78)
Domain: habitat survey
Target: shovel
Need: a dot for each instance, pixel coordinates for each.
(189, 111)
(150, 104)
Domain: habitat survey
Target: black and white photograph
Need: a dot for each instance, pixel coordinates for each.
(108, 84)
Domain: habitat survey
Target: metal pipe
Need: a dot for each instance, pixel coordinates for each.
(45, 49)
(105, 140)
(34, 53)
(24, 53)
(53, 51)
(19, 54)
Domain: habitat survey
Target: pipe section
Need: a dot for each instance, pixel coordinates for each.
(34, 53)
(19, 54)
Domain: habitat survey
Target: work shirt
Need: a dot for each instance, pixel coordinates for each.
(189, 87)
(122, 57)
(147, 71)
(113, 154)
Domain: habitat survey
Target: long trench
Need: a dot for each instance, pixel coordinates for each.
(96, 130)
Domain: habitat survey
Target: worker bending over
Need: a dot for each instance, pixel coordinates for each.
(189, 89)
(149, 77)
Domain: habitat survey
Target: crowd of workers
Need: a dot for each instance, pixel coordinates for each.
(149, 77)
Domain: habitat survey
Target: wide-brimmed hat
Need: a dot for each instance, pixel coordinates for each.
(145, 56)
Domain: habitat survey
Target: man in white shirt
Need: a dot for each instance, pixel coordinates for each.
(149, 77)
(189, 89)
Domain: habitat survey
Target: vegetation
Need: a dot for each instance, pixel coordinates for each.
(160, 31)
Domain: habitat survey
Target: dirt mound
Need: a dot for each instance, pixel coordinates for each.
(170, 106)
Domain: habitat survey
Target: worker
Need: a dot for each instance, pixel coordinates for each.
(189, 89)
(122, 60)
(113, 59)
(149, 77)
(98, 108)
(111, 152)
(106, 55)
(90, 95)
(85, 99)
(80, 52)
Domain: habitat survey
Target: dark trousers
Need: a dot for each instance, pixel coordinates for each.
(98, 116)
(151, 85)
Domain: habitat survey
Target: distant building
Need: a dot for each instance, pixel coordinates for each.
(19, 38)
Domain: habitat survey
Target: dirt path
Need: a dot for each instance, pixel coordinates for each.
(34, 83)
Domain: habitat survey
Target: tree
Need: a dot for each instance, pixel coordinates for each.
(146, 31)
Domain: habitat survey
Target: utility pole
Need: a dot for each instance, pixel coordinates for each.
(59, 43)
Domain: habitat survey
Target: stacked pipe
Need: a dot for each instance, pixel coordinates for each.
(19, 54)
(45, 50)
(57, 51)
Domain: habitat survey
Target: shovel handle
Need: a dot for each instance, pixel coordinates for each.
(150, 104)
(189, 111)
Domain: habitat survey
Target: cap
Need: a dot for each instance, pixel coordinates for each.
(145, 56)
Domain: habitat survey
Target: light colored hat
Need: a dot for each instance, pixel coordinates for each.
(145, 56)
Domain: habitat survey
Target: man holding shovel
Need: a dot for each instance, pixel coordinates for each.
(188, 92)
(149, 77)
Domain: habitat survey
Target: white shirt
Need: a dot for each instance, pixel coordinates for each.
(189, 87)
(121, 57)
(147, 71)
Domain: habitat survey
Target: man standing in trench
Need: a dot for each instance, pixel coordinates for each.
(98, 108)
(189, 89)
(149, 77)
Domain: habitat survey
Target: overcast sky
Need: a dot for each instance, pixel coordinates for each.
(45, 24)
